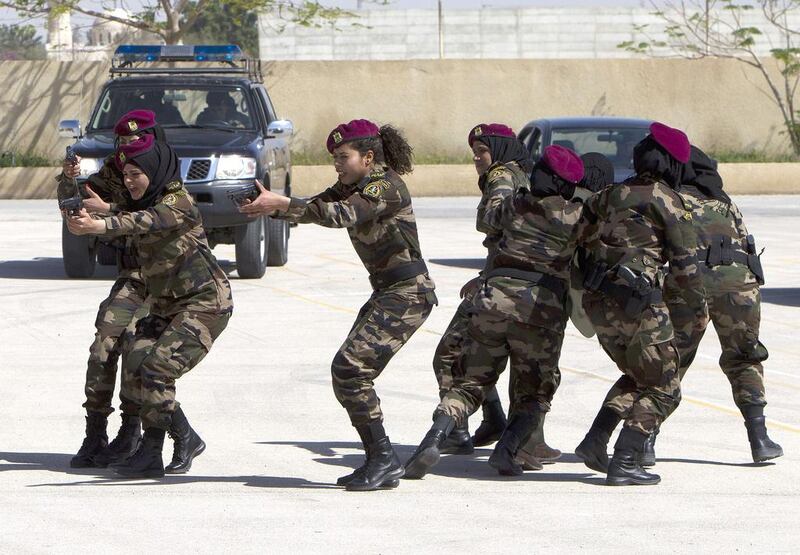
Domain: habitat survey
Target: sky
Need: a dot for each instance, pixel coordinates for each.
(9, 17)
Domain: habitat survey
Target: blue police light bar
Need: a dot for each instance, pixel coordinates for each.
(178, 53)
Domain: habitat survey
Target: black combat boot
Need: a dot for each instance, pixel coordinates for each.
(382, 466)
(649, 453)
(95, 442)
(516, 434)
(124, 445)
(625, 468)
(427, 454)
(458, 442)
(146, 462)
(593, 449)
(493, 423)
(344, 480)
(761, 446)
(188, 444)
(536, 447)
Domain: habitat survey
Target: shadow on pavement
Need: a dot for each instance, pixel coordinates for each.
(719, 463)
(52, 462)
(472, 263)
(47, 268)
(110, 479)
(786, 296)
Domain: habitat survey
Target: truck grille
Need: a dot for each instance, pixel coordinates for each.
(198, 170)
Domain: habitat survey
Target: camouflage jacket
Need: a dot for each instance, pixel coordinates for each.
(378, 216)
(498, 182)
(537, 235)
(643, 224)
(712, 220)
(178, 268)
(108, 185)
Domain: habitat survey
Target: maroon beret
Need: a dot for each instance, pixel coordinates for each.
(564, 162)
(674, 141)
(132, 150)
(490, 130)
(135, 121)
(356, 129)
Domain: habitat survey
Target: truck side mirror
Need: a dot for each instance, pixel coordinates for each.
(280, 128)
(70, 129)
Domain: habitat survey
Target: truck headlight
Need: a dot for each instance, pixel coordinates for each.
(236, 167)
(90, 165)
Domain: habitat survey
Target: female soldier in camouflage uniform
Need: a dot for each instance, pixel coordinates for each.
(190, 295)
(496, 151)
(732, 274)
(627, 233)
(118, 313)
(518, 312)
(373, 204)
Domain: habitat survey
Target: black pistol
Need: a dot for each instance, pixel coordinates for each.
(72, 205)
(241, 194)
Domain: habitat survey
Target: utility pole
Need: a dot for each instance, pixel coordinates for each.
(441, 32)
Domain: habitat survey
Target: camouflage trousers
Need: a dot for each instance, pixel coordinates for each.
(384, 324)
(115, 325)
(494, 337)
(450, 348)
(163, 350)
(737, 318)
(644, 350)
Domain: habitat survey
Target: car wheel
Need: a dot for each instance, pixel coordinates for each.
(252, 242)
(78, 253)
(278, 251)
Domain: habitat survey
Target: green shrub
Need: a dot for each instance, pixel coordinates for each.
(751, 156)
(9, 159)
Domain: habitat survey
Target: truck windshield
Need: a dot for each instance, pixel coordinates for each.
(615, 143)
(212, 107)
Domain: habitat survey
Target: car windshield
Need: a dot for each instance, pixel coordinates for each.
(213, 107)
(615, 143)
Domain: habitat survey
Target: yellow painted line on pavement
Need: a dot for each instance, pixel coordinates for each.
(337, 308)
(694, 401)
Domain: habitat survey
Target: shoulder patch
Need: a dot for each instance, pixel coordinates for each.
(170, 199)
(174, 186)
(495, 173)
(374, 190)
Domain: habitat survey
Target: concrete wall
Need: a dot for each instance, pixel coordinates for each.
(426, 181)
(720, 103)
(391, 34)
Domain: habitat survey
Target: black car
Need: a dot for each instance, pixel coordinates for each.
(611, 136)
(223, 126)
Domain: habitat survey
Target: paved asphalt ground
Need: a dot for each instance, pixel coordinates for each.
(277, 438)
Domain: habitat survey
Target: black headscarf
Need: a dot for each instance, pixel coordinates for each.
(508, 149)
(701, 172)
(545, 183)
(650, 158)
(598, 172)
(161, 166)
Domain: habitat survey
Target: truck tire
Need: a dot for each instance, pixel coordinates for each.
(252, 242)
(78, 253)
(106, 255)
(278, 251)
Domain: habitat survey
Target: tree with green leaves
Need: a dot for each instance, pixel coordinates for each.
(19, 42)
(224, 23)
(174, 20)
(697, 29)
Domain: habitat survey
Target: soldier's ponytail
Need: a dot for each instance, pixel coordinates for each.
(396, 150)
(390, 149)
